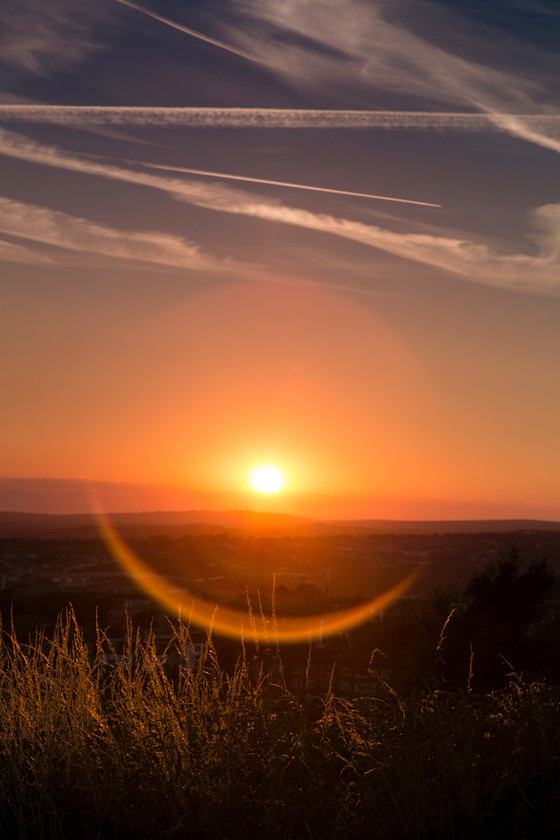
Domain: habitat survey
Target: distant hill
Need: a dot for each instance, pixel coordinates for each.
(176, 523)
(149, 523)
(443, 526)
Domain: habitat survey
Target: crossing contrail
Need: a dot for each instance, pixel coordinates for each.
(209, 174)
(192, 32)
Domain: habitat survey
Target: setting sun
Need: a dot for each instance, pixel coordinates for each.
(267, 478)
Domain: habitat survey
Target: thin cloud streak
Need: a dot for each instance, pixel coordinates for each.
(61, 230)
(519, 127)
(41, 37)
(22, 148)
(272, 118)
(472, 261)
(192, 32)
(12, 252)
(285, 184)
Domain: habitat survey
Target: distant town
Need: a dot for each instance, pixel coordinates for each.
(49, 563)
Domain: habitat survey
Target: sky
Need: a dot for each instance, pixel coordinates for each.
(322, 234)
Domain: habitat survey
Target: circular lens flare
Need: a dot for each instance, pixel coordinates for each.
(240, 625)
(267, 478)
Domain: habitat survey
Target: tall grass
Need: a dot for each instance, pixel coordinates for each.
(133, 751)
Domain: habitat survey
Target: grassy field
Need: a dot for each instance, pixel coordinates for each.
(89, 750)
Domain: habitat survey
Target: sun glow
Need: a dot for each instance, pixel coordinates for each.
(267, 478)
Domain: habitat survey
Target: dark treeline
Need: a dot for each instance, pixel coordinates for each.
(507, 620)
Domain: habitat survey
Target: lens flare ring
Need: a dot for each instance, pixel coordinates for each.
(235, 624)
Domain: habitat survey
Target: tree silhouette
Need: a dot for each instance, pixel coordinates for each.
(491, 627)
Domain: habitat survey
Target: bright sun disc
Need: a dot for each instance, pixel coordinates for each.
(266, 478)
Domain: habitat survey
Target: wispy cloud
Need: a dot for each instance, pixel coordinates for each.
(20, 147)
(476, 262)
(354, 43)
(383, 47)
(535, 7)
(61, 230)
(473, 261)
(12, 252)
(424, 50)
(541, 133)
(40, 37)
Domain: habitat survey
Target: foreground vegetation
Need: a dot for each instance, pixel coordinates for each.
(138, 750)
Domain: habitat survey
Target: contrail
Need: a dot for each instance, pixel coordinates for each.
(285, 184)
(267, 117)
(15, 145)
(474, 261)
(192, 32)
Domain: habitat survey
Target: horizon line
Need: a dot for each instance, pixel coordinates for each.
(315, 519)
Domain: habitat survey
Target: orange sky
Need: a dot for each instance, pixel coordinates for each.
(304, 377)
